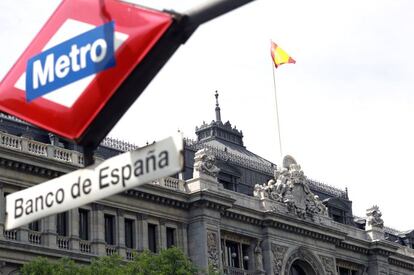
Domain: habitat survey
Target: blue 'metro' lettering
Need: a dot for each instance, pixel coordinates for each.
(76, 58)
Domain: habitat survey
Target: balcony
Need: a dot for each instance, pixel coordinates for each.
(40, 149)
(63, 242)
(35, 237)
(85, 246)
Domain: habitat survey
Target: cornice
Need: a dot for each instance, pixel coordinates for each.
(354, 248)
(242, 218)
(157, 199)
(400, 263)
(306, 232)
(29, 168)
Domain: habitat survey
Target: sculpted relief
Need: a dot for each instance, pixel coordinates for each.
(213, 250)
(278, 252)
(374, 217)
(204, 163)
(290, 187)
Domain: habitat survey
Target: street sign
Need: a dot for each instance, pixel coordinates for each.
(84, 186)
(74, 82)
(76, 63)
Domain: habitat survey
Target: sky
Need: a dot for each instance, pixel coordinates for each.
(345, 108)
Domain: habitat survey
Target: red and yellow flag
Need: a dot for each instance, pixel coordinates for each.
(279, 56)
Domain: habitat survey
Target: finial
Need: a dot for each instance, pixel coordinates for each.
(218, 115)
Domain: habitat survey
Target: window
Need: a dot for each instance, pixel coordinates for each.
(62, 224)
(152, 237)
(34, 226)
(235, 254)
(109, 229)
(83, 224)
(170, 237)
(346, 271)
(129, 233)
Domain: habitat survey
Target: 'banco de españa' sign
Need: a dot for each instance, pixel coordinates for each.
(84, 186)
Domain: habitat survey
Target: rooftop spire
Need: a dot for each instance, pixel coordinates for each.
(218, 116)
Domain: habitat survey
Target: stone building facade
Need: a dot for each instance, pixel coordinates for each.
(229, 210)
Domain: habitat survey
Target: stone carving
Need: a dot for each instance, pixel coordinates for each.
(212, 250)
(279, 252)
(204, 162)
(374, 217)
(258, 256)
(303, 254)
(328, 264)
(291, 188)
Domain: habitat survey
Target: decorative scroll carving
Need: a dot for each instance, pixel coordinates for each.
(258, 256)
(328, 264)
(374, 217)
(291, 188)
(279, 252)
(212, 250)
(204, 162)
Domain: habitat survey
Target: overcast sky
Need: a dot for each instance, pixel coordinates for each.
(346, 107)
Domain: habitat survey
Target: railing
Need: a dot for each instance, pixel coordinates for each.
(37, 148)
(32, 147)
(129, 254)
(62, 155)
(10, 234)
(118, 144)
(171, 183)
(110, 250)
(236, 271)
(326, 188)
(35, 237)
(62, 242)
(10, 141)
(85, 246)
(265, 167)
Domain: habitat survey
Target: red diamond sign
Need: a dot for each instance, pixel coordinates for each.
(69, 79)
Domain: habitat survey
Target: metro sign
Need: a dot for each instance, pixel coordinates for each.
(69, 74)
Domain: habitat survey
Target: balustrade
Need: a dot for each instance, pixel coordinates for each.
(10, 234)
(35, 237)
(110, 250)
(10, 141)
(85, 246)
(62, 242)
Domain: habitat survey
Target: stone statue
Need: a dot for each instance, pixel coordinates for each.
(374, 217)
(204, 162)
(291, 188)
(258, 256)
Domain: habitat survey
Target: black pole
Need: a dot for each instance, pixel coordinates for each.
(211, 9)
(88, 155)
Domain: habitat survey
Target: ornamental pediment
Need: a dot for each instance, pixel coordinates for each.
(291, 188)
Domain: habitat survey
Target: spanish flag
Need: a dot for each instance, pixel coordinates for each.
(279, 56)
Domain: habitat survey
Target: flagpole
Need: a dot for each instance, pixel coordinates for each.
(277, 112)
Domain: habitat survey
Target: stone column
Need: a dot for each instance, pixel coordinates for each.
(162, 235)
(49, 236)
(197, 246)
(121, 233)
(378, 265)
(98, 229)
(142, 232)
(74, 228)
(182, 238)
(267, 255)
